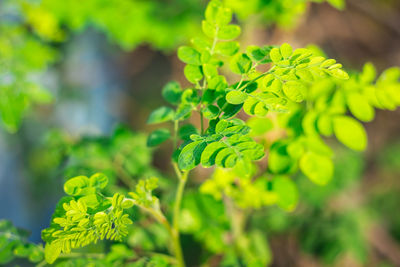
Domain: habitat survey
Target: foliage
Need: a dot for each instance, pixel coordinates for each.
(19, 72)
(120, 156)
(265, 114)
(85, 217)
(145, 20)
(13, 243)
(51, 21)
(304, 93)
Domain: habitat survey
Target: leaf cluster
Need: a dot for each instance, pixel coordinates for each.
(86, 217)
(227, 142)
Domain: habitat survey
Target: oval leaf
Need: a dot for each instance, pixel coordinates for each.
(318, 168)
(236, 97)
(350, 132)
(158, 136)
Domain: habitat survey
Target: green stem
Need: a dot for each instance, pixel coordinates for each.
(175, 140)
(178, 199)
(214, 41)
(175, 221)
(253, 80)
(237, 219)
(240, 82)
(159, 217)
(173, 232)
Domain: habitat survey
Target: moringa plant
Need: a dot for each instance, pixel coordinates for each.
(264, 114)
(31, 29)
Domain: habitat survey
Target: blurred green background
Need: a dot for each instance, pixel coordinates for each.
(105, 62)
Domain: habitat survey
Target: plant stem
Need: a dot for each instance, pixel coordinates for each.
(159, 217)
(175, 221)
(174, 232)
(240, 82)
(237, 219)
(178, 199)
(175, 140)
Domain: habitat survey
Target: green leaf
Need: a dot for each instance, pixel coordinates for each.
(305, 75)
(318, 168)
(368, 74)
(6, 253)
(257, 54)
(309, 123)
(327, 63)
(228, 32)
(208, 29)
(74, 186)
(232, 127)
(275, 55)
(210, 71)
(236, 149)
(227, 48)
(212, 10)
(211, 112)
(294, 90)
(36, 255)
(360, 107)
(172, 92)
(185, 131)
(286, 50)
(287, 193)
(339, 73)
(254, 107)
(183, 112)
(279, 161)
(218, 83)
(158, 136)
(91, 200)
(217, 14)
(350, 132)
(98, 180)
(200, 43)
(210, 153)
(271, 83)
(189, 55)
(22, 250)
(236, 97)
(224, 16)
(161, 114)
(193, 73)
(190, 155)
(240, 64)
(51, 252)
(127, 203)
(209, 96)
(325, 124)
